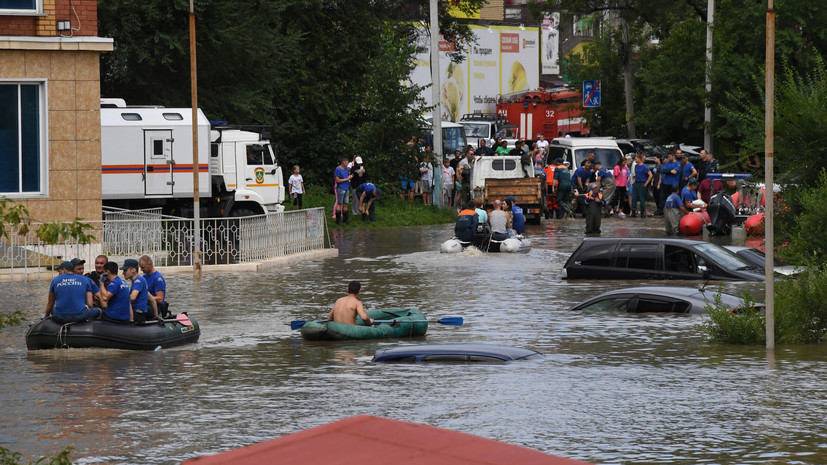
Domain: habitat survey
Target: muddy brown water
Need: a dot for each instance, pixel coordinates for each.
(613, 388)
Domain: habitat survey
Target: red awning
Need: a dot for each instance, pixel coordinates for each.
(373, 440)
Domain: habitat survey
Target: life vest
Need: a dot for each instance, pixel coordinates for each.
(562, 174)
(549, 174)
(466, 225)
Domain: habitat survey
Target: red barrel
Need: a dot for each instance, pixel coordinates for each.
(693, 223)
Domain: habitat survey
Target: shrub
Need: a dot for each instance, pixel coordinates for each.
(800, 314)
(742, 327)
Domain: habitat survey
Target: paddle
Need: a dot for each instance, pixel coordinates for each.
(448, 320)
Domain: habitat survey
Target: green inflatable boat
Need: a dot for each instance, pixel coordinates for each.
(402, 323)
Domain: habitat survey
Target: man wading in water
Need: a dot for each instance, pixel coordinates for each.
(346, 308)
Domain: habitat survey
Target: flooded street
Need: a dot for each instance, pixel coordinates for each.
(613, 388)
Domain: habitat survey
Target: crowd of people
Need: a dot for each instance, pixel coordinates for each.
(102, 294)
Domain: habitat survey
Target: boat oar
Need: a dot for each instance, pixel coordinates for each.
(448, 320)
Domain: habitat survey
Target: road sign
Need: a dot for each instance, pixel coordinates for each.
(591, 94)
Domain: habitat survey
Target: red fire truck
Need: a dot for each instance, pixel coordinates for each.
(552, 112)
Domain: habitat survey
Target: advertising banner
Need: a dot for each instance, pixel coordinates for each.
(550, 57)
(519, 59)
(484, 70)
(491, 67)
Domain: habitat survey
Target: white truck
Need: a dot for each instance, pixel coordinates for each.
(146, 161)
(500, 177)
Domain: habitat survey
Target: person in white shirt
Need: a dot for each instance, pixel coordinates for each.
(447, 182)
(542, 144)
(296, 187)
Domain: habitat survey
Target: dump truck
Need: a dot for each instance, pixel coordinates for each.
(496, 177)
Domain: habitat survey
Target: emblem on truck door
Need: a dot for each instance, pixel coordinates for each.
(259, 175)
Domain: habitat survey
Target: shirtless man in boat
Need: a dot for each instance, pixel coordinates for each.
(346, 308)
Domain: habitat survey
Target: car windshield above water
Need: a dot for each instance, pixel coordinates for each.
(607, 156)
(724, 258)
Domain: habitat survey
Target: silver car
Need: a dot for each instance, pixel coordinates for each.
(659, 299)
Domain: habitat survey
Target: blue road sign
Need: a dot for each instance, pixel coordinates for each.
(591, 94)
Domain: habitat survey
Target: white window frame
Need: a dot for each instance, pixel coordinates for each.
(43, 136)
(38, 9)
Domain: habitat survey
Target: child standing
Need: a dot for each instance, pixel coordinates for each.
(296, 187)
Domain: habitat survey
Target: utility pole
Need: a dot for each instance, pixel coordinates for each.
(436, 125)
(628, 77)
(710, 14)
(769, 128)
(196, 204)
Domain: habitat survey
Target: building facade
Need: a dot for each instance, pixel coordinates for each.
(50, 151)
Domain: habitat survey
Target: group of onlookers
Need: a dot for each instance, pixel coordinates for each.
(350, 182)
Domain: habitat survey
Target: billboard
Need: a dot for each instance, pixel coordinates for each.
(550, 37)
(490, 67)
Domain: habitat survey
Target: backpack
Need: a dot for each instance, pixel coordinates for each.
(466, 227)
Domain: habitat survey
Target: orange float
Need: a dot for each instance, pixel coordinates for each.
(755, 225)
(692, 224)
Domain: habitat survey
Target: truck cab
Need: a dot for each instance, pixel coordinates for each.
(245, 171)
(479, 126)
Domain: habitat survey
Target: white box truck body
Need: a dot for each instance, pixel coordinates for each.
(146, 160)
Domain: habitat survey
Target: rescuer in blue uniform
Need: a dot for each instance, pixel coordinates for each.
(517, 216)
(70, 297)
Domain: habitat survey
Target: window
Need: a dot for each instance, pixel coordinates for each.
(503, 165)
(600, 255)
(21, 6)
(131, 116)
(23, 145)
(173, 116)
(638, 256)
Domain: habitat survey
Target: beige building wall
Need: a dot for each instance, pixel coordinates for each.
(73, 93)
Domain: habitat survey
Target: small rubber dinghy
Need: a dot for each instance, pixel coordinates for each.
(171, 332)
(516, 244)
(399, 323)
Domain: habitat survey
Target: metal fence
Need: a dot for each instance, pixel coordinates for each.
(170, 241)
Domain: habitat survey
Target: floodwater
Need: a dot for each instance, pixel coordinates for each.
(613, 388)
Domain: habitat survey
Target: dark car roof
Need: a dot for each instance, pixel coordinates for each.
(656, 240)
(453, 353)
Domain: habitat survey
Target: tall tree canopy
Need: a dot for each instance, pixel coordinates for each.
(669, 86)
(328, 75)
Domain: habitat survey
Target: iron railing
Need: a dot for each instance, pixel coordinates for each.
(169, 241)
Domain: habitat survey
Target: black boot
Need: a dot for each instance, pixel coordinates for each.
(344, 217)
(365, 217)
(338, 217)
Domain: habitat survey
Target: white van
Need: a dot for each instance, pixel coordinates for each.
(574, 150)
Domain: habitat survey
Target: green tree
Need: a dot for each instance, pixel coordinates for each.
(15, 218)
(327, 75)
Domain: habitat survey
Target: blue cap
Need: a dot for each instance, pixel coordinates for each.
(66, 266)
(129, 263)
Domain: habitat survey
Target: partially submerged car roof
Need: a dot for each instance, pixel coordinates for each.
(474, 353)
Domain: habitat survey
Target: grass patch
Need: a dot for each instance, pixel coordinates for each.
(390, 211)
(8, 457)
(800, 314)
(11, 319)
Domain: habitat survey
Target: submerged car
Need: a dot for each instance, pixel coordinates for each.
(454, 353)
(756, 257)
(657, 258)
(659, 299)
